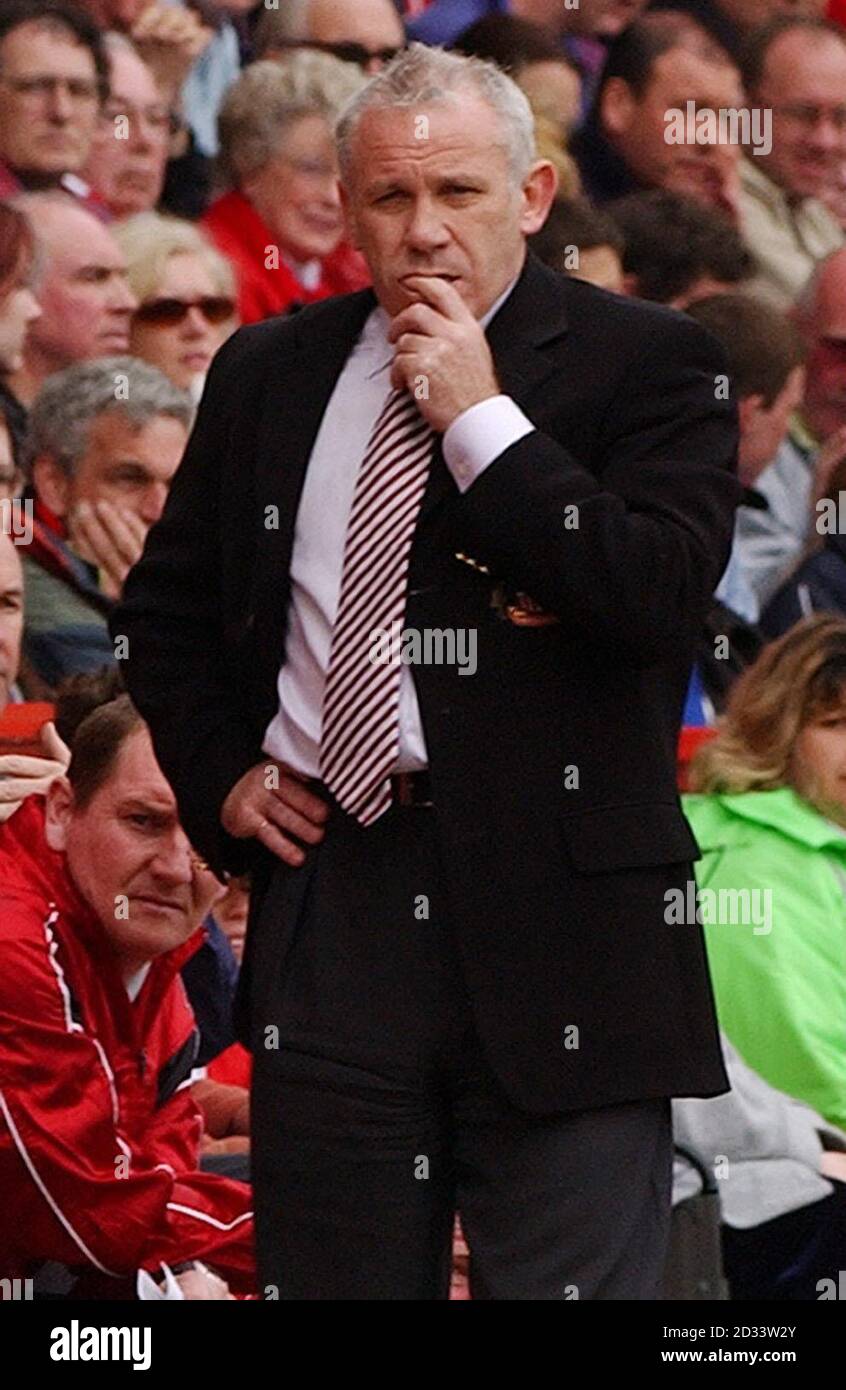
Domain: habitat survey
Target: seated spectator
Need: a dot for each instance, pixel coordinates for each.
(768, 811)
(186, 297)
(795, 68)
(281, 223)
(676, 250)
(368, 33)
(583, 241)
(128, 157)
(658, 64)
(819, 584)
(102, 901)
(767, 380)
(54, 75)
(536, 62)
(105, 440)
(18, 309)
(771, 542)
(781, 1171)
(193, 61)
(209, 977)
(85, 301)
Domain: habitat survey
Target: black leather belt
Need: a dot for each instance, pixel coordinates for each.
(411, 789)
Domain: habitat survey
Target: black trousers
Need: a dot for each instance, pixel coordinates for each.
(376, 1115)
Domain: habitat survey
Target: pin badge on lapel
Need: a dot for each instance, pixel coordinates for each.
(517, 608)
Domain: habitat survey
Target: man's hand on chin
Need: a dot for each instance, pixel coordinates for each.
(442, 355)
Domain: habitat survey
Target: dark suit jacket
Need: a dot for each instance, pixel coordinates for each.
(557, 889)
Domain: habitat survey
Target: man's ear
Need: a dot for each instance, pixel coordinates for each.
(350, 228)
(52, 485)
(58, 811)
(616, 106)
(631, 284)
(539, 191)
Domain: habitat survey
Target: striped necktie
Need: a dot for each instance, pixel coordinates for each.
(360, 734)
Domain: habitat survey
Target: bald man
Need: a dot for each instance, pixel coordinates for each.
(86, 303)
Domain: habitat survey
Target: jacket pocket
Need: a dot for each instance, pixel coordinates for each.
(634, 836)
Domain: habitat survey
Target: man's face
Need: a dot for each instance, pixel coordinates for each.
(11, 615)
(804, 82)
(431, 193)
(50, 101)
(763, 427)
(373, 24)
(86, 304)
(824, 406)
(130, 149)
(130, 468)
(129, 857)
(637, 126)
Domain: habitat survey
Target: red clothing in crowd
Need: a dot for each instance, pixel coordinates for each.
(234, 225)
(99, 1133)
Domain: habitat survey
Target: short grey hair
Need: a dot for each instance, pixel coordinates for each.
(269, 96)
(70, 401)
(423, 76)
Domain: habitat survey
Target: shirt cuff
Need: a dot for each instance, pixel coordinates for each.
(479, 435)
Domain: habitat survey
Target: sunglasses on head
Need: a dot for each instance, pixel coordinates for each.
(347, 52)
(215, 308)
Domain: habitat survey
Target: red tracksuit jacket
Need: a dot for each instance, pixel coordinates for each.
(98, 1131)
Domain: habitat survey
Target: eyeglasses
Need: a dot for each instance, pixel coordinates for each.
(810, 116)
(347, 52)
(36, 88)
(166, 313)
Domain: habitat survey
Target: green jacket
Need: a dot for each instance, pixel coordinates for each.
(777, 951)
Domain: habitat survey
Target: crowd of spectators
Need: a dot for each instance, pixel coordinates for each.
(168, 172)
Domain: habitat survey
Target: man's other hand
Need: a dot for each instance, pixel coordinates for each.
(271, 803)
(442, 356)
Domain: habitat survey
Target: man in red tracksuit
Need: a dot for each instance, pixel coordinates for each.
(100, 901)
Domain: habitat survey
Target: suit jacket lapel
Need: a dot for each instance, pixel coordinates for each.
(286, 440)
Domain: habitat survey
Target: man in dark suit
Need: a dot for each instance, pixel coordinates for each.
(460, 988)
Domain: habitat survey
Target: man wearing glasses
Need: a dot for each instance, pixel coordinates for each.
(53, 77)
(369, 33)
(795, 69)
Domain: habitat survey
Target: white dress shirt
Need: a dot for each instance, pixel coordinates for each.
(472, 442)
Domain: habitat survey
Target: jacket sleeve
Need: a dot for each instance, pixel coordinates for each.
(110, 1204)
(170, 619)
(629, 559)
